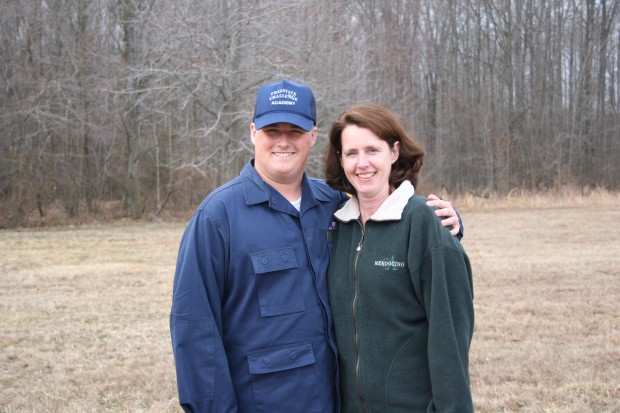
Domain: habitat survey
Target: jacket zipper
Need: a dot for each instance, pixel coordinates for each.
(358, 381)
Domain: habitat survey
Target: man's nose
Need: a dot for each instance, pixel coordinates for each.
(285, 136)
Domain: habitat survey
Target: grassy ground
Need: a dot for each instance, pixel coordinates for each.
(547, 297)
(84, 319)
(84, 311)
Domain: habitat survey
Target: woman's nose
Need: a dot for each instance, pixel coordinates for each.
(362, 160)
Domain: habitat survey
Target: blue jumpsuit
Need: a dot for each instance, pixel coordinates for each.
(250, 319)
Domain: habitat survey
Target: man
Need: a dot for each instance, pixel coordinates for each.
(250, 319)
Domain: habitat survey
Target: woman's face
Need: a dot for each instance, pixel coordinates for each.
(367, 162)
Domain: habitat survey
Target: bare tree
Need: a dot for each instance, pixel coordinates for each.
(147, 104)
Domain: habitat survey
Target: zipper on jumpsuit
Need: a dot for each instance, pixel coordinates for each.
(321, 304)
(314, 281)
(358, 382)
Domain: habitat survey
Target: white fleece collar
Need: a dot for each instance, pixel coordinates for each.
(390, 210)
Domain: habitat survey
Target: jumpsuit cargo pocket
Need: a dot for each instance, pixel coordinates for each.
(277, 282)
(283, 379)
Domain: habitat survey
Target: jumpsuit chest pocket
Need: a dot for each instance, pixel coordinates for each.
(278, 282)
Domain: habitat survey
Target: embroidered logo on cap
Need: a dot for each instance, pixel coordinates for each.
(277, 97)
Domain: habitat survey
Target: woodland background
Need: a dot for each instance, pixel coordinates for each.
(134, 107)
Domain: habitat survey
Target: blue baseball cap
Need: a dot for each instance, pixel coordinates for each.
(285, 102)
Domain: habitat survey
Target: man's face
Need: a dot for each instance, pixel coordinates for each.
(281, 151)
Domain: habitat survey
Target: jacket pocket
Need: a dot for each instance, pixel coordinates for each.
(278, 282)
(283, 379)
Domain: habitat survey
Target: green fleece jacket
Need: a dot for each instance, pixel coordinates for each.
(401, 295)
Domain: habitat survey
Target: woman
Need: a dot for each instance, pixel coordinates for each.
(400, 286)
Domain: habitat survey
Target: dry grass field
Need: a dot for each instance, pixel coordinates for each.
(84, 310)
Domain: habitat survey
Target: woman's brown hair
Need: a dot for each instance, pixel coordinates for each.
(387, 127)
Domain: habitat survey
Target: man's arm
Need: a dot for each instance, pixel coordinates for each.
(451, 216)
(203, 374)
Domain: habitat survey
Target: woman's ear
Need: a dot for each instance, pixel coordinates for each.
(395, 151)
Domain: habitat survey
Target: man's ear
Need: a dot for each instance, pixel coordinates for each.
(252, 133)
(314, 132)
